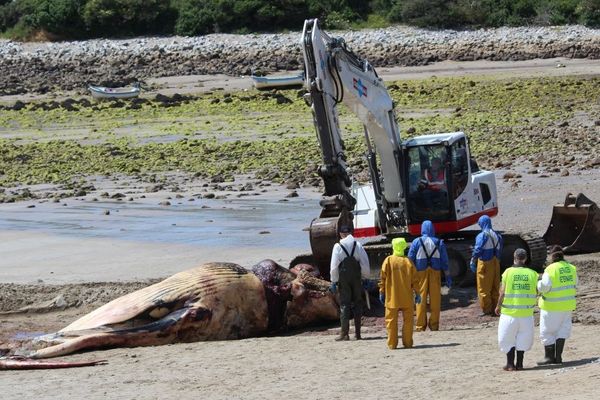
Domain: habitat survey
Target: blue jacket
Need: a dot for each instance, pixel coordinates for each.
(488, 243)
(417, 252)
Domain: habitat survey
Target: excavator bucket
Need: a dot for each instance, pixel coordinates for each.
(575, 225)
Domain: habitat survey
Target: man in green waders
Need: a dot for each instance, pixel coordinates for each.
(349, 263)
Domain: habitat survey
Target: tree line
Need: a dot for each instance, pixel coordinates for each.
(82, 19)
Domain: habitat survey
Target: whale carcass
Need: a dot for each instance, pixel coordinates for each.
(216, 301)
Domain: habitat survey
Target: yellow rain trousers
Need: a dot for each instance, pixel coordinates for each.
(488, 284)
(398, 281)
(430, 284)
(391, 325)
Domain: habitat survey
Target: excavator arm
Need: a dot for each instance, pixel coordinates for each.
(334, 74)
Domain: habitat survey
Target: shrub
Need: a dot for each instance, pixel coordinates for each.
(589, 13)
(127, 17)
(61, 17)
(9, 15)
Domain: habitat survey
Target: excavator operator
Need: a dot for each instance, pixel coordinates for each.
(436, 176)
(433, 185)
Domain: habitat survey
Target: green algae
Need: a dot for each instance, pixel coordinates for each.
(227, 134)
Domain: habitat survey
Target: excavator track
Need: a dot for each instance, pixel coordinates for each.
(459, 247)
(535, 246)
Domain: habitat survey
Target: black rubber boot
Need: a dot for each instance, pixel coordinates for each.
(345, 328)
(549, 357)
(510, 360)
(357, 328)
(520, 355)
(560, 345)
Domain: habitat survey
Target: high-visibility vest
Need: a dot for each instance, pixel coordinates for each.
(519, 292)
(562, 295)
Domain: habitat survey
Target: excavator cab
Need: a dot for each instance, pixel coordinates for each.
(443, 185)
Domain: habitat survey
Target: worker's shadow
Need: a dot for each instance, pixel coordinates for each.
(568, 364)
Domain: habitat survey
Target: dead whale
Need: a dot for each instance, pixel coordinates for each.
(216, 301)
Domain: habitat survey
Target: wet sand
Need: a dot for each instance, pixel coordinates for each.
(448, 364)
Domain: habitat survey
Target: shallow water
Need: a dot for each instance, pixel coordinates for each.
(225, 223)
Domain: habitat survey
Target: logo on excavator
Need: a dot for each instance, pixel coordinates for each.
(360, 88)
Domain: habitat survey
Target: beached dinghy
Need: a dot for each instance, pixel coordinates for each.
(101, 92)
(270, 82)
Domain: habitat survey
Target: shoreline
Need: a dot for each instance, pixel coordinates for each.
(202, 84)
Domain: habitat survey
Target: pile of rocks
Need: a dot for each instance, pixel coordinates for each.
(43, 67)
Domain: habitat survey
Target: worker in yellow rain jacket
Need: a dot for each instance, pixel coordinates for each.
(515, 307)
(398, 281)
(557, 303)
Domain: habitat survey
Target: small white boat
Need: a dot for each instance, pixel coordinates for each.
(269, 82)
(100, 92)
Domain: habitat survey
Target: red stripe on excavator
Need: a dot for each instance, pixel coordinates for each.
(366, 232)
(453, 226)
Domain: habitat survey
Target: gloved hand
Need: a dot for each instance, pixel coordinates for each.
(366, 284)
(417, 298)
(473, 266)
(333, 287)
(448, 281)
(382, 298)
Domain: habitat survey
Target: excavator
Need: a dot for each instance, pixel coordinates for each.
(401, 195)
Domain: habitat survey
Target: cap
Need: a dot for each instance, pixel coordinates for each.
(520, 254)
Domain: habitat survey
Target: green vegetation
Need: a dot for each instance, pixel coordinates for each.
(115, 18)
(254, 133)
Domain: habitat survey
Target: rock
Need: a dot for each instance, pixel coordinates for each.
(217, 179)
(281, 99)
(164, 203)
(156, 188)
(509, 175)
(292, 194)
(564, 172)
(106, 212)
